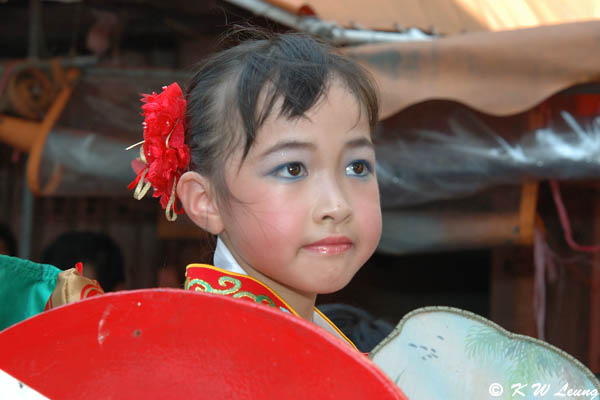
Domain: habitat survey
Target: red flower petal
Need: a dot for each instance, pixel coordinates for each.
(166, 153)
(137, 165)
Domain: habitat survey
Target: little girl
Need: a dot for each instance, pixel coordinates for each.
(278, 136)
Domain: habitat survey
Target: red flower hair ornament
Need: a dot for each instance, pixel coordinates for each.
(163, 155)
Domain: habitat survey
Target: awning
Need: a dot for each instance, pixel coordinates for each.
(498, 73)
(444, 16)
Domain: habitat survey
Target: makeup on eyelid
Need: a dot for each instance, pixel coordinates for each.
(295, 170)
(301, 164)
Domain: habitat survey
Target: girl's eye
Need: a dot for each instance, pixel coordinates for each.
(291, 171)
(294, 169)
(358, 168)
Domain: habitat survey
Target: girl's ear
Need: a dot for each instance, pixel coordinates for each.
(199, 202)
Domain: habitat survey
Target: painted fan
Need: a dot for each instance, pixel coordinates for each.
(169, 343)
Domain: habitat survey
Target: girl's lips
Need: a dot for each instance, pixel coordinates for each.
(332, 245)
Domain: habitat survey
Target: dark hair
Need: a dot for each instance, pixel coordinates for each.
(96, 248)
(225, 93)
(9, 240)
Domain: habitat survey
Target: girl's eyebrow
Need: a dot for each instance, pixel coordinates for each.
(360, 142)
(288, 145)
(298, 145)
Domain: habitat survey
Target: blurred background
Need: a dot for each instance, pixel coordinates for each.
(488, 148)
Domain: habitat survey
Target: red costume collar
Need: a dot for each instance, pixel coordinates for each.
(210, 279)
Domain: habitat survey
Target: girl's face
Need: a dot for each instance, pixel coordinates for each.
(306, 212)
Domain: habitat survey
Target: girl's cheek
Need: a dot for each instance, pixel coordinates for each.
(368, 211)
(281, 215)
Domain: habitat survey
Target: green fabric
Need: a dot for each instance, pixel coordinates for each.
(25, 287)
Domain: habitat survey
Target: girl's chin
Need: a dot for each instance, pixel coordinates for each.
(333, 287)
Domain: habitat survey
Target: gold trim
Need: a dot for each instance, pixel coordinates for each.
(336, 328)
(142, 187)
(170, 208)
(135, 145)
(276, 295)
(243, 276)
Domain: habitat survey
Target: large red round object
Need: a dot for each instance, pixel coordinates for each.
(168, 343)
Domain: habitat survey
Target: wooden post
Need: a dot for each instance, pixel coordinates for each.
(511, 289)
(512, 277)
(527, 212)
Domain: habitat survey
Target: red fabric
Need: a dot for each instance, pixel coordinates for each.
(587, 105)
(93, 289)
(211, 275)
(49, 304)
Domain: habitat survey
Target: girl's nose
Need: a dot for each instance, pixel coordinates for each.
(332, 203)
